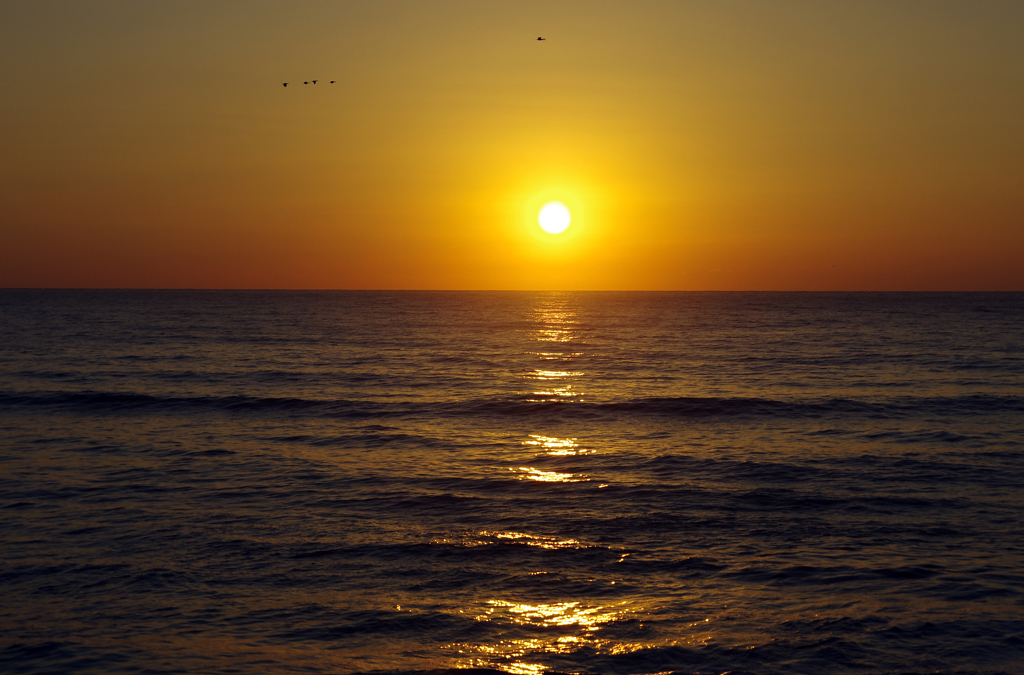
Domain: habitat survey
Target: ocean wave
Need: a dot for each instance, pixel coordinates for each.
(692, 407)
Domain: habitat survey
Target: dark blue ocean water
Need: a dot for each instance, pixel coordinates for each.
(335, 482)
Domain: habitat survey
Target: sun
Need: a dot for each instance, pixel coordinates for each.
(554, 217)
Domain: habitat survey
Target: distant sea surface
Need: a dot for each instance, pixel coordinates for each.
(338, 482)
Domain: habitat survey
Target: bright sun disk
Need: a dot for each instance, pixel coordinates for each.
(554, 217)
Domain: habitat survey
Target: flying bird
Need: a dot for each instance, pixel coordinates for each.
(332, 81)
(542, 38)
(314, 81)
(305, 83)
(286, 84)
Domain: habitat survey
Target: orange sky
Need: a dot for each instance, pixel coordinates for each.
(700, 145)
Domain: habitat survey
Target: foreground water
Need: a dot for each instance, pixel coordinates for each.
(333, 482)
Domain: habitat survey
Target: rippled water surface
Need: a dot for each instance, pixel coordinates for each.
(339, 482)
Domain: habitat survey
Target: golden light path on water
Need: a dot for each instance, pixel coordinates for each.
(556, 323)
(556, 327)
(532, 627)
(565, 625)
(574, 624)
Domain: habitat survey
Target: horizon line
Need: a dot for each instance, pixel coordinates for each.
(483, 290)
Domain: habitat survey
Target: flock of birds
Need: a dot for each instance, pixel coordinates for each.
(333, 81)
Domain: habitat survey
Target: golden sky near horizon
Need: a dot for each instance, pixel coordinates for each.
(699, 145)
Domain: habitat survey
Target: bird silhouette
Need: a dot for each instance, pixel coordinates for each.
(286, 84)
(542, 38)
(332, 81)
(305, 83)
(314, 81)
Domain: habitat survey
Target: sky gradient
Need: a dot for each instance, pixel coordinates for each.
(699, 145)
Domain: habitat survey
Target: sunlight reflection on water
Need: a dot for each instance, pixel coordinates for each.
(486, 538)
(554, 446)
(556, 323)
(555, 625)
(530, 473)
(584, 620)
(553, 374)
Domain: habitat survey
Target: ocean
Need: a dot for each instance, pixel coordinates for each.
(342, 482)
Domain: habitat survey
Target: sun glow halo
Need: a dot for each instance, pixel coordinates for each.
(554, 217)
